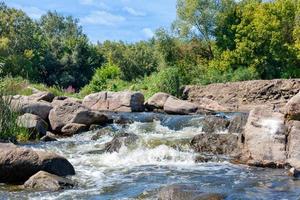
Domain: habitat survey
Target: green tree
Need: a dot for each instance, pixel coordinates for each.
(68, 59)
(197, 18)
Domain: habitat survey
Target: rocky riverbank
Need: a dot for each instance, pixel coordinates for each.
(243, 96)
(267, 136)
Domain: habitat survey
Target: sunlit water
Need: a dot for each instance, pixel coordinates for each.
(161, 157)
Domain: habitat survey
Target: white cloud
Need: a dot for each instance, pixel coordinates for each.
(31, 11)
(96, 3)
(133, 11)
(148, 32)
(102, 18)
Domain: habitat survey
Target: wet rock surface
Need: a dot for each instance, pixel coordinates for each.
(125, 139)
(182, 192)
(215, 143)
(45, 181)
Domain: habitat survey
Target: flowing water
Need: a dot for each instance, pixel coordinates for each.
(161, 157)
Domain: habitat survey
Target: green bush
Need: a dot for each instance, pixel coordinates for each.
(102, 77)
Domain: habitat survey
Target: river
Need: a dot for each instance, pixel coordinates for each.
(161, 156)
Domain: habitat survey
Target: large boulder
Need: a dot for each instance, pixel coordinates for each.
(35, 124)
(23, 104)
(115, 101)
(264, 139)
(48, 182)
(17, 164)
(293, 147)
(157, 101)
(177, 106)
(292, 108)
(216, 144)
(125, 139)
(70, 112)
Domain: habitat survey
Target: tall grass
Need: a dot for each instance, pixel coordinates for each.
(9, 129)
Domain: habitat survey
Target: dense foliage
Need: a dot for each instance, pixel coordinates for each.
(210, 41)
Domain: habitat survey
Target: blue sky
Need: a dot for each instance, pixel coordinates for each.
(127, 20)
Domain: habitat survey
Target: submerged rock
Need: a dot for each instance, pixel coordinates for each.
(213, 124)
(182, 192)
(115, 101)
(215, 143)
(48, 182)
(102, 132)
(17, 164)
(125, 139)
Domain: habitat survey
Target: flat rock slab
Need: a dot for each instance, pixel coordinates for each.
(115, 101)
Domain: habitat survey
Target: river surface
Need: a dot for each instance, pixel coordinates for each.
(161, 157)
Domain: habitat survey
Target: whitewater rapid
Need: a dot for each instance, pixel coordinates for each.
(161, 156)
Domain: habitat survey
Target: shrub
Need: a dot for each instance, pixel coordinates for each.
(102, 77)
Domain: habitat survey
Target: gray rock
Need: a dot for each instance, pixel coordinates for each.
(292, 108)
(23, 104)
(293, 147)
(177, 106)
(49, 137)
(73, 128)
(213, 124)
(182, 192)
(42, 96)
(17, 164)
(263, 141)
(102, 132)
(217, 144)
(238, 123)
(126, 139)
(70, 112)
(157, 101)
(33, 123)
(115, 101)
(47, 182)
